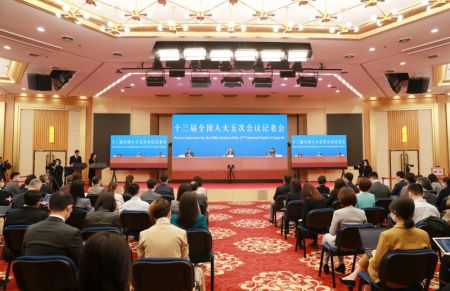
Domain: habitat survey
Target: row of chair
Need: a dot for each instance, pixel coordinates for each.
(200, 249)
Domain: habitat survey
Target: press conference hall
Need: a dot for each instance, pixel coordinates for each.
(224, 145)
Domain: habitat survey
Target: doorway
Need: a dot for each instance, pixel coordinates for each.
(403, 160)
(42, 158)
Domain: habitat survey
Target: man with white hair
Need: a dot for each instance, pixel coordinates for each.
(18, 201)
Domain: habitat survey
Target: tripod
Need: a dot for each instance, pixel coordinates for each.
(230, 176)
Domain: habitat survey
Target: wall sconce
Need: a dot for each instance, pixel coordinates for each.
(51, 134)
(404, 134)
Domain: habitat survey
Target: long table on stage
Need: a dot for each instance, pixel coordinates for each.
(138, 162)
(216, 167)
(319, 162)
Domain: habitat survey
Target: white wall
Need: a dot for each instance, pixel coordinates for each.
(26, 141)
(381, 144)
(426, 142)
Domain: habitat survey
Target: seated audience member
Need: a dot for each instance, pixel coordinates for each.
(403, 236)
(13, 185)
(175, 204)
(400, 176)
(135, 203)
(312, 199)
(189, 215)
(378, 189)
(423, 209)
(443, 195)
(99, 269)
(30, 212)
(52, 236)
(24, 187)
(2, 184)
(129, 179)
(410, 178)
(66, 187)
(18, 200)
(322, 180)
(200, 189)
(282, 190)
(105, 212)
(164, 189)
(428, 195)
(338, 185)
(348, 179)
(435, 184)
(163, 239)
(348, 214)
(202, 199)
(96, 187)
(150, 194)
(81, 203)
(365, 199)
(295, 192)
(45, 188)
(112, 188)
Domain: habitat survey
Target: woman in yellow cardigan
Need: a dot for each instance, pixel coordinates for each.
(403, 236)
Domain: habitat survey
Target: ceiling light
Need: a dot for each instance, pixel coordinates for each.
(194, 54)
(428, 95)
(245, 55)
(429, 90)
(272, 55)
(394, 11)
(243, 27)
(23, 94)
(220, 55)
(424, 2)
(373, 17)
(356, 29)
(23, 89)
(55, 96)
(122, 90)
(169, 54)
(86, 16)
(320, 79)
(102, 28)
(215, 78)
(6, 47)
(58, 14)
(132, 85)
(301, 27)
(83, 97)
(185, 27)
(160, 27)
(396, 97)
(429, 8)
(149, 14)
(373, 98)
(218, 27)
(39, 95)
(348, 24)
(400, 18)
(379, 23)
(142, 78)
(298, 55)
(402, 63)
(329, 85)
(126, 29)
(66, 8)
(110, 24)
(283, 85)
(40, 29)
(332, 29)
(276, 28)
(434, 30)
(337, 91)
(371, 49)
(411, 97)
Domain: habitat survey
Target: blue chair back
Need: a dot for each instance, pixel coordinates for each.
(133, 222)
(200, 245)
(158, 274)
(13, 235)
(408, 267)
(280, 202)
(375, 215)
(294, 210)
(93, 198)
(76, 219)
(383, 202)
(348, 238)
(43, 273)
(319, 219)
(87, 232)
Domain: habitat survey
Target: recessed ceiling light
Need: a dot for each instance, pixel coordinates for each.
(285, 79)
(250, 78)
(39, 95)
(214, 78)
(132, 84)
(396, 97)
(434, 30)
(371, 49)
(83, 97)
(23, 88)
(429, 90)
(56, 96)
(283, 85)
(40, 29)
(6, 47)
(329, 85)
(178, 78)
(402, 63)
(23, 94)
(320, 79)
(411, 96)
(122, 90)
(373, 98)
(143, 78)
(428, 95)
(337, 91)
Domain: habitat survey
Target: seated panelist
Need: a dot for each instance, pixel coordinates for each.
(229, 153)
(189, 153)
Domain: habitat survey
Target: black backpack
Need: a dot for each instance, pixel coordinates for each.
(435, 227)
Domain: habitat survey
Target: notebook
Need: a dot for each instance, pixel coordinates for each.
(370, 238)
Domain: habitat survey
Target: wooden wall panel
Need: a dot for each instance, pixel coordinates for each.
(43, 119)
(398, 119)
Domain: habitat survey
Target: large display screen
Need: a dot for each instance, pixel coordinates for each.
(319, 151)
(228, 146)
(138, 151)
(239, 135)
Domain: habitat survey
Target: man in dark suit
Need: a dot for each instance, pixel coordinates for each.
(400, 183)
(53, 236)
(75, 158)
(322, 180)
(30, 213)
(189, 153)
(18, 200)
(281, 190)
(164, 189)
(378, 189)
(348, 178)
(229, 153)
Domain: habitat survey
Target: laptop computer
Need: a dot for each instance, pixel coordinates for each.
(443, 243)
(46, 200)
(370, 238)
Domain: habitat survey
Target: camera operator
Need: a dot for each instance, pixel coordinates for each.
(364, 168)
(4, 166)
(55, 172)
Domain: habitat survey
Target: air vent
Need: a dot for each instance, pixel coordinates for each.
(67, 38)
(295, 96)
(195, 95)
(117, 54)
(162, 95)
(349, 56)
(344, 72)
(427, 46)
(262, 95)
(33, 55)
(229, 95)
(433, 56)
(390, 71)
(404, 39)
(28, 41)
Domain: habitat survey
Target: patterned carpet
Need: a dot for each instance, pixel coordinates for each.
(250, 253)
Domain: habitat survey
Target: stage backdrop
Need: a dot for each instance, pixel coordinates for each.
(206, 144)
(138, 151)
(319, 151)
